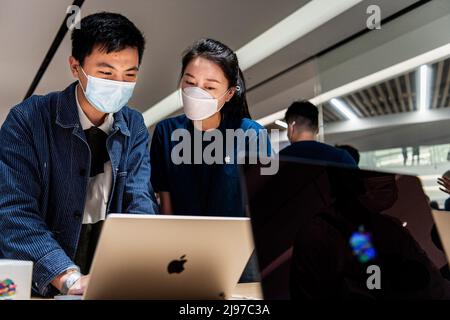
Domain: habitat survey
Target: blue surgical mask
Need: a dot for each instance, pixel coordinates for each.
(107, 96)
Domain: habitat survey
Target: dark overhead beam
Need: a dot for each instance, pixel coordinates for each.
(51, 51)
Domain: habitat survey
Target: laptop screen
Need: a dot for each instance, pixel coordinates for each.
(324, 231)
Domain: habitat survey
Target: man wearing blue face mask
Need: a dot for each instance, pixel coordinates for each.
(70, 158)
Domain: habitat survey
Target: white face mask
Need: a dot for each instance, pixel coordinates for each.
(198, 104)
(107, 96)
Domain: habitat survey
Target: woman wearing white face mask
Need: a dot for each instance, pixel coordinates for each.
(213, 94)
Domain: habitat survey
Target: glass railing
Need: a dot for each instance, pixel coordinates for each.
(407, 157)
(426, 162)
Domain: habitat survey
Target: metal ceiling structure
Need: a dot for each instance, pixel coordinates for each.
(397, 95)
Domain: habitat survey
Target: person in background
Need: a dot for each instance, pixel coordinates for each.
(351, 151)
(69, 158)
(415, 154)
(405, 155)
(302, 118)
(434, 205)
(444, 182)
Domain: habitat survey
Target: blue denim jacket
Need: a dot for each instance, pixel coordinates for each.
(44, 170)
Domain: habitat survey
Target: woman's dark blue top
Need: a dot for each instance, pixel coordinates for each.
(198, 189)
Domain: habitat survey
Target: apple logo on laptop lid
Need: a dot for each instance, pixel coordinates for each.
(177, 266)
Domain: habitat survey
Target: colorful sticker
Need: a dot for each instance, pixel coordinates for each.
(7, 288)
(361, 243)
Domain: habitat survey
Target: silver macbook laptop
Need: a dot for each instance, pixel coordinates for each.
(326, 231)
(169, 257)
(442, 220)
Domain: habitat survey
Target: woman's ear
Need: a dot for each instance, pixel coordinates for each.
(230, 94)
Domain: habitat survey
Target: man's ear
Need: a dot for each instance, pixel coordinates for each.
(74, 64)
(290, 129)
(292, 126)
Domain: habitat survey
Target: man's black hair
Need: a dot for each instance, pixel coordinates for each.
(304, 113)
(111, 32)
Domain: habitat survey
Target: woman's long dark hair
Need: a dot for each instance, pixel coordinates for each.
(237, 108)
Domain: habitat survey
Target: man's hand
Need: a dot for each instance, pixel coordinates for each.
(445, 182)
(76, 289)
(80, 286)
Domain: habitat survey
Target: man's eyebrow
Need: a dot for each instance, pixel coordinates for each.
(135, 68)
(189, 75)
(104, 64)
(107, 65)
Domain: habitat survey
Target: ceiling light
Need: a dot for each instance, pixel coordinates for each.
(423, 98)
(281, 123)
(343, 109)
